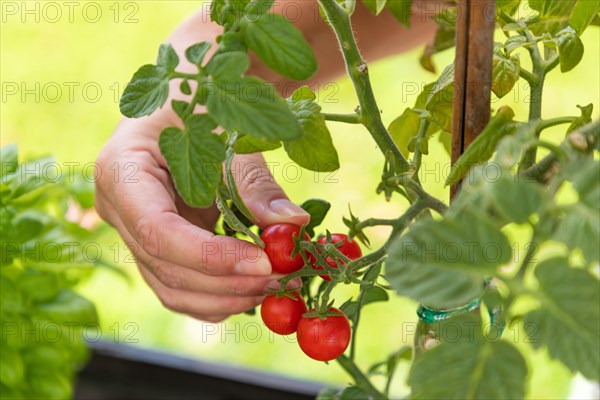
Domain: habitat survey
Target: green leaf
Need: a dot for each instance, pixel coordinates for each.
(484, 145)
(194, 157)
(353, 393)
(509, 188)
(259, 7)
(303, 93)
(314, 150)
(12, 370)
(216, 9)
(67, 307)
(9, 161)
(231, 41)
(514, 42)
(469, 368)
(196, 53)
(553, 15)
(29, 177)
(167, 58)
(443, 263)
(11, 301)
(231, 219)
(586, 117)
(375, 6)
(228, 66)
(281, 46)
(48, 385)
(185, 87)
(181, 108)
(440, 101)
(570, 49)
(586, 180)
(227, 12)
(508, 6)
(350, 308)
(402, 10)
(583, 14)
(404, 128)
(374, 294)
(251, 144)
(318, 210)
(568, 320)
(38, 286)
(444, 36)
(580, 228)
(147, 91)
(252, 107)
(505, 74)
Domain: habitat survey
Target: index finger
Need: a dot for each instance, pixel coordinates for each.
(149, 214)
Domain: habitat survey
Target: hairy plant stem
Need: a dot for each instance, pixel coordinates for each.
(359, 378)
(541, 68)
(541, 169)
(359, 74)
(418, 156)
(549, 123)
(347, 118)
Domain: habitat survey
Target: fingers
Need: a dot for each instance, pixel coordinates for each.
(205, 306)
(149, 214)
(262, 195)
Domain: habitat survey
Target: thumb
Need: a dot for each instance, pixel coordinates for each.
(262, 195)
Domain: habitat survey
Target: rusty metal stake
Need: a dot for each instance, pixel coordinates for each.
(473, 73)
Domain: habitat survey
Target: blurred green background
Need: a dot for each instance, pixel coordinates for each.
(61, 81)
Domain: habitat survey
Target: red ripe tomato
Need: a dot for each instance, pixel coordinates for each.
(281, 315)
(279, 245)
(349, 248)
(324, 340)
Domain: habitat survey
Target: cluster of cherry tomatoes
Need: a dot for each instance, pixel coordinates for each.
(321, 336)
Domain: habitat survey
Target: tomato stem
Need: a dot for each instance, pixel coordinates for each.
(359, 377)
(347, 118)
(358, 71)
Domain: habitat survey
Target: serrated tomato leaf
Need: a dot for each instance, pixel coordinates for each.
(147, 91)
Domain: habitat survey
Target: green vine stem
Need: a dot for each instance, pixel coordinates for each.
(418, 156)
(347, 118)
(359, 378)
(370, 114)
(541, 68)
(554, 122)
(538, 171)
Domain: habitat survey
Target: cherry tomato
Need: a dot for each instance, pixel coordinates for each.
(279, 244)
(281, 315)
(324, 340)
(349, 248)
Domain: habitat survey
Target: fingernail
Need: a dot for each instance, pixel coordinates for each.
(254, 267)
(286, 209)
(272, 285)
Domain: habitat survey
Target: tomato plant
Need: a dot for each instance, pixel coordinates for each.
(454, 259)
(279, 246)
(282, 314)
(324, 338)
(347, 247)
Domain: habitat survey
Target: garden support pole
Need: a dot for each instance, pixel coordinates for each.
(473, 73)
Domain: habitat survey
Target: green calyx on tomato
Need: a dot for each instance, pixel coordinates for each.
(344, 245)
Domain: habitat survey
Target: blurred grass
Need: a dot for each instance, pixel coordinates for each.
(87, 56)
